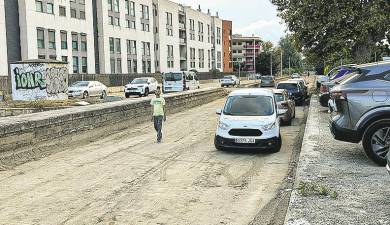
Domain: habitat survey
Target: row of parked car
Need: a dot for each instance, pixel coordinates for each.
(359, 97)
(251, 118)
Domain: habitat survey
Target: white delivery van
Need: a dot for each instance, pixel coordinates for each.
(179, 81)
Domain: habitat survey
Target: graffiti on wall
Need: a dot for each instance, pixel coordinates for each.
(33, 81)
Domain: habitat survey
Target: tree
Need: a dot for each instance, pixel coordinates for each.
(328, 31)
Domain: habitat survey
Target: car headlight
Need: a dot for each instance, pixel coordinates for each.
(268, 127)
(223, 126)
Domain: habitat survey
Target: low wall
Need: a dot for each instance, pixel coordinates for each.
(5, 112)
(27, 137)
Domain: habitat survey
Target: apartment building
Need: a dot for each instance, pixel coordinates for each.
(60, 30)
(245, 51)
(227, 46)
(111, 36)
(3, 41)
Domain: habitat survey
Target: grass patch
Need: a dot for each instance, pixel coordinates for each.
(312, 189)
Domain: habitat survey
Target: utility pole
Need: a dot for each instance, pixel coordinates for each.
(271, 62)
(289, 66)
(281, 62)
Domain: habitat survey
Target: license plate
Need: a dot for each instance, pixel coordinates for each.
(245, 140)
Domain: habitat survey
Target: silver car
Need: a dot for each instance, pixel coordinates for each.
(362, 107)
(84, 89)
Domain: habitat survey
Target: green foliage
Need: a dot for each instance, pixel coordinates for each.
(328, 31)
(312, 189)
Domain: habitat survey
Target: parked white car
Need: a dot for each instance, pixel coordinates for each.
(180, 81)
(249, 120)
(229, 80)
(86, 89)
(141, 86)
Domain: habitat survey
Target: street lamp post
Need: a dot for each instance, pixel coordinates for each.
(271, 62)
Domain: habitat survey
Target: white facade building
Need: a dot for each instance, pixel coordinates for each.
(60, 30)
(217, 58)
(3, 42)
(126, 39)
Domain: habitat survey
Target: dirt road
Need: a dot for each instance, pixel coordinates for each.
(127, 178)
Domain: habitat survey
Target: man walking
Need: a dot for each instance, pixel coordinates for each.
(158, 113)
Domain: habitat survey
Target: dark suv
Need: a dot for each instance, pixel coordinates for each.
(362, 106)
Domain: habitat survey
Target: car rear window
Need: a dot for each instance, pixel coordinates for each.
(173, 76)
(287, 86)
(266, 78)
(279, 97)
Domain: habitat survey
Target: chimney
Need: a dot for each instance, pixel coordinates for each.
(199, 9)
(208, 12)
(217, 15)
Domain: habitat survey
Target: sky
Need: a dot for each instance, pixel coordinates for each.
(258, 17)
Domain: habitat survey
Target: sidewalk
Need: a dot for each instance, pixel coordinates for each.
(335, 182)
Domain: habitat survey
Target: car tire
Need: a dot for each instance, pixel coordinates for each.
(146, 92)
(324, 99)
(104, 95)
(85, 95)
(293, 117)
(289, 122)
(278, 145)
(218, 147)
(373, 135)
(127, 95)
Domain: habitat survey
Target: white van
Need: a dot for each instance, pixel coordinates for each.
(179, 81)
(249, 120)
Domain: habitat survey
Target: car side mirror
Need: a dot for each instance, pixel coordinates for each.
(280, 112)
(218, 111)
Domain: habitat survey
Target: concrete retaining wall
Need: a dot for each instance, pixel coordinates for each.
(27, 137)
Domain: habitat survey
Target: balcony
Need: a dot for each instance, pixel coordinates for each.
(183, 41)
(182, 26)
(252, 46)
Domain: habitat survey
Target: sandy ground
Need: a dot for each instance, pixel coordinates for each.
(127, 178)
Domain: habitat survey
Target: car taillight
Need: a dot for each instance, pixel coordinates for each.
(324, 89)
(284, 104)
(339, 95)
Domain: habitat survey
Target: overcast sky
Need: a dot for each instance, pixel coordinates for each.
(258, 17)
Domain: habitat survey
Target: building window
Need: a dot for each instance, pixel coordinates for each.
(64, 41)
(39, 6)
(83, 43)
(62, 10)
(169, 18)
(112, 65)
(75, 64)
(131, 47)
(50, 8)
(52, 39)
(132, 9)
(41, 57)
(116, 5)
(219, 59)
(110, 20)
(75, 42)
(119, 65)
(145, 12)
(201, 58)
(200, 31)
(145, 48)
(84, 65)
(53, 57)
(82, 15)
(145, 27)
(118, 45)
(116, 21)
(170, 56)
(192, 58)
(218, 35)
(112, 46)
(130, 24)
(109, 2)
(41, 38)
(64, 59)
(73, 13)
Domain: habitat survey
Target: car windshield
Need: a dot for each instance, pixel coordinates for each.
(140, 81)
(80, 84)
(279, 97)
(249, 106)
(266, 78)
(287, 86)
(173, 76)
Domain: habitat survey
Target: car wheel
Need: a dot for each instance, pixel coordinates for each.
(289, 122)
(278, 145)
(376, 141)
(85, 94)
(218, 147)
(146, 92)
(324, 99)
(104, 95)
(127, 95)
